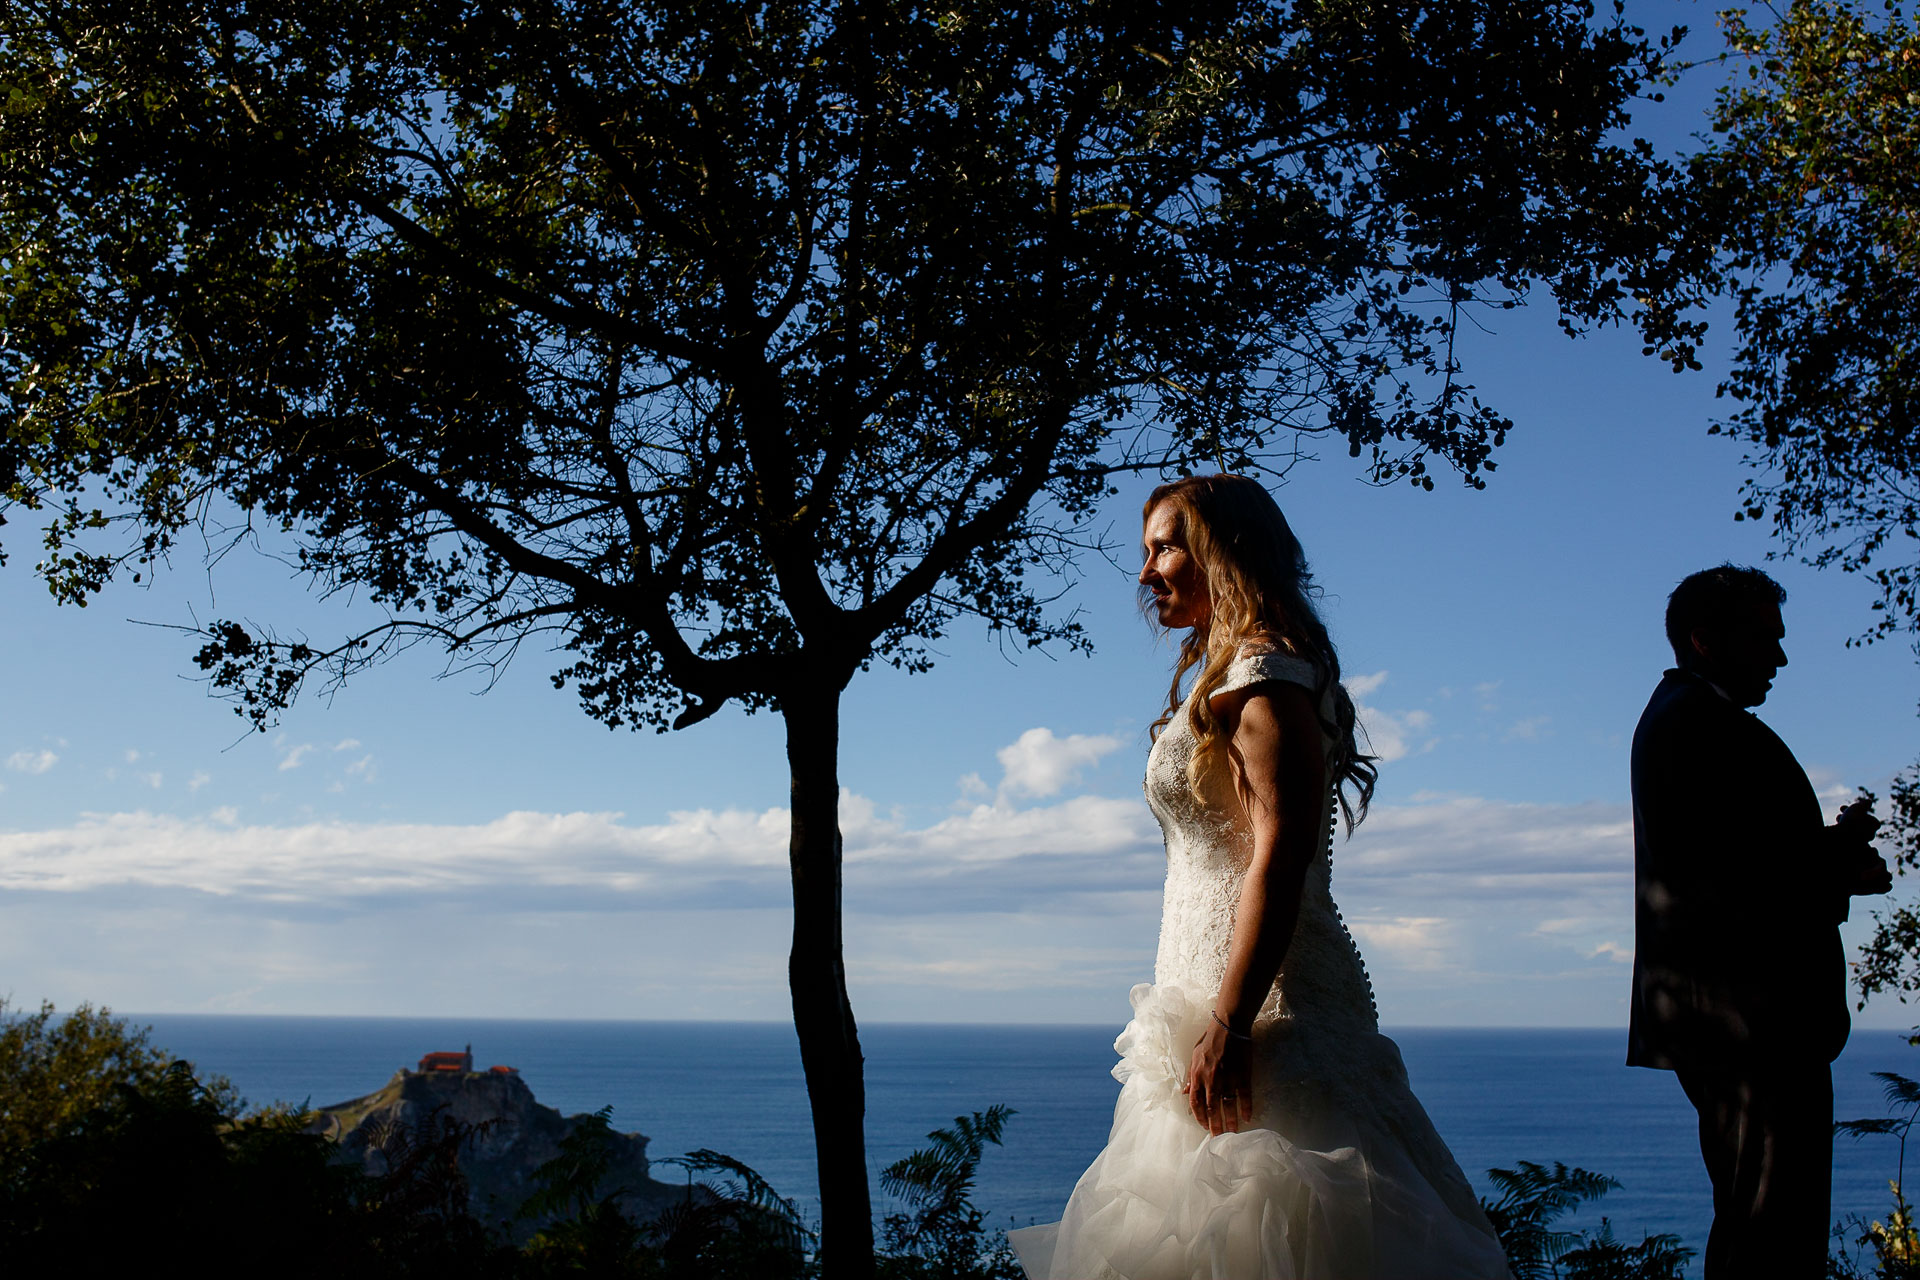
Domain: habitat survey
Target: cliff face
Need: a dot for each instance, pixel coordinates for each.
(514, 1136)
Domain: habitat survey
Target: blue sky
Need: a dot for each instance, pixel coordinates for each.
(414, 846)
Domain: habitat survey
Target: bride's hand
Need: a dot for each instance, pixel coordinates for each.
(1220, 1081)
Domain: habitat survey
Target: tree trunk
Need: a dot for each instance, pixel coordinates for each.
(817, 976)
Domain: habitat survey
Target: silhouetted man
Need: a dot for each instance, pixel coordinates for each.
(1739, 978)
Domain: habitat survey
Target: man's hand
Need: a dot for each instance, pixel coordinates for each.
(1857, 820)
(1856, 827)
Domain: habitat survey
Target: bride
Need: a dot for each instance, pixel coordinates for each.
(1265, 1129)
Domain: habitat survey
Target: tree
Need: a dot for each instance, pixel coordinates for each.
(732, 348)
(53, 1072)
(1895, 1244)
(1810, 176)
(940, 1234)
(1890, 960)
(1533, 1198)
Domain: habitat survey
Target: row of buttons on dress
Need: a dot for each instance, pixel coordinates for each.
(1373, 1007)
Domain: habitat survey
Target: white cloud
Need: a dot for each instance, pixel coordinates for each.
(153, 779)
(199, 779)
(32, 761)
(131, 756)
(1517, 869)
(346, 744)
(1465, 847)
(1360, 686)
(1040, 764)
(1614, 952)
(1527, 730)
(331, 860)
(1387, 734)
(1414, 942)
(362, 768)
(1392, 736)
(1468, 910)
(291, 760)
(1088, 848)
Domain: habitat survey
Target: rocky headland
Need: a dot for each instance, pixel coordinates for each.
(509, 1136)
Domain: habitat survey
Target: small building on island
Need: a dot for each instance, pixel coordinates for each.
(447, 1061)
(460, 1063)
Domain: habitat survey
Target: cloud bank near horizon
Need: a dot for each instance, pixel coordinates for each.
(998, 911)
(978, 858)
(1036, 904)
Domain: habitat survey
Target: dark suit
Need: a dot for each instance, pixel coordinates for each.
(1739, 976)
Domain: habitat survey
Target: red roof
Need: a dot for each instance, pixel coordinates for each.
(447, 1061)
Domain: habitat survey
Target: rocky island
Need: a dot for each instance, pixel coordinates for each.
(509, 1135)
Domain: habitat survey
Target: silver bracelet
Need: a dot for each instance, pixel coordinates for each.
(1237, 1035)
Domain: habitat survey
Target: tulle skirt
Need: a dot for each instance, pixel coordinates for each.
(1343, 1177)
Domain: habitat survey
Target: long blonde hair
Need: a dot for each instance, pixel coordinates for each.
(1262, 594)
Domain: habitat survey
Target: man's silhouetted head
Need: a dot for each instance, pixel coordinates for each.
(1724, 623)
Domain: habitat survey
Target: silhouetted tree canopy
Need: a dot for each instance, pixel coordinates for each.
(1809, 177)
(732, 347)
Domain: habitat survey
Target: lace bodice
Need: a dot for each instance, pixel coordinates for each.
(1322, 981)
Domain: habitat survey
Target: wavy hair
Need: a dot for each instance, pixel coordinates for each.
(1262, 595)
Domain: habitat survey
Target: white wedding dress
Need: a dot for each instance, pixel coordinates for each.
(1342, 1176)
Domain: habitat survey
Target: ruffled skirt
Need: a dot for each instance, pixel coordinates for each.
(1342, 1178)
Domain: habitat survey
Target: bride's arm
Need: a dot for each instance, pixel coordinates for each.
(1280, 774)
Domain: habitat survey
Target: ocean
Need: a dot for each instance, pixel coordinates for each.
(1498, 1096)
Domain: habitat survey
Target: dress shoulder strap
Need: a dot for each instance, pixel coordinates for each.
(1250, 669)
